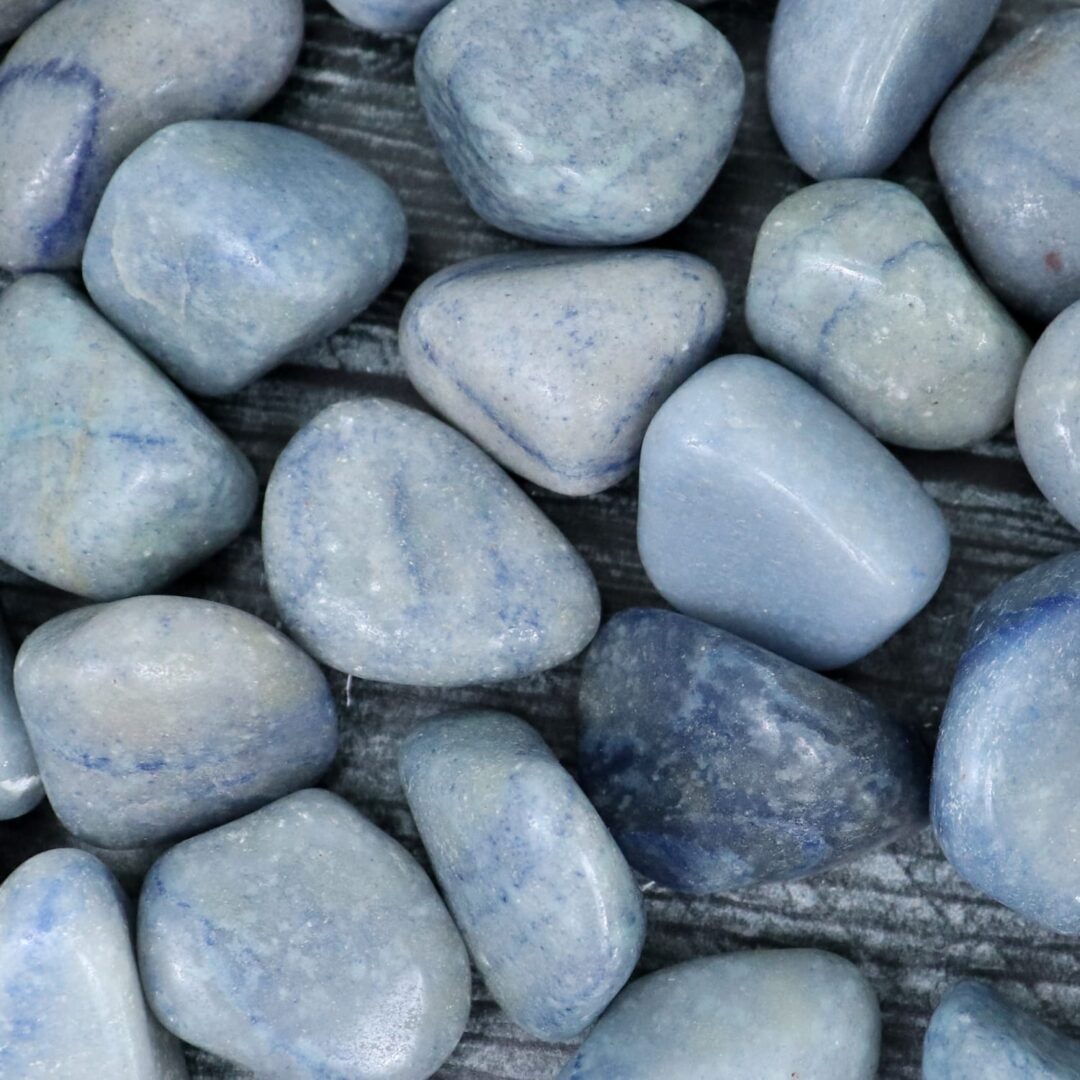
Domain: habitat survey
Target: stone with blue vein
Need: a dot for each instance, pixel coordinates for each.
(17, 15)
(389, 16)
(20, 781)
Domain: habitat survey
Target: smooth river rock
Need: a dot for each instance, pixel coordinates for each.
(160, 716)
(17, 15)
(580, 121)
(389, 16)
(768, 511)
(549, 909)
(303, 942)
(20, 781)
(397, 550)
(555, 362)
(220, 247)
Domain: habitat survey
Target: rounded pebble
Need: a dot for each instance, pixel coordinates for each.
(389, 16)
(20, 781)
(17, 15)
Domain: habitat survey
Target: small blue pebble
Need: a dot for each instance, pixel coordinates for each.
(389, 16)
(20, 781)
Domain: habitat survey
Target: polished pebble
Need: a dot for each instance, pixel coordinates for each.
(580, 121)
(303, 942)
(550, 910)
(220, 247)
(159, 716)
(120, 482)
(17, 15)
(397, 550)
(768, 511)
(389, 16)
(20, 781)
(556, 362)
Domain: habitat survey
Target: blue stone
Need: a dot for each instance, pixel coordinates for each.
(768, 511)
(555, 362)
(389, 16)
(91, 79)
(549, 909)
(70, 1001)
(850, 84)
(769, 1014)
(17, 15)
(302, 941)
(160, 716)
(855, 287)
(220, 247)
(121, 483)
(397, 550)
(580, 121)
(20, 781)
(1006, 147)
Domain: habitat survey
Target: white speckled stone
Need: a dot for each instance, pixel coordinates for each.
(17, 15)
(20, 782)
(389, 16)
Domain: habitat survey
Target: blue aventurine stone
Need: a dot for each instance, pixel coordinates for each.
(17, 15)
(389, 16)
(20, 782)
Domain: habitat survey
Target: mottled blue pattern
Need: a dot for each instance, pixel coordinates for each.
(549, 908)
(580, 121)
(20, 782)
(303, 942)
(556, 362)
(389, 16)
(16, 15)
(767, 510)
(220, 247)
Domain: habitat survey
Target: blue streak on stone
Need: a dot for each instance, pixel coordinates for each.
(767, 510)
(389, 16)
(580, 121)
(302, 941)
(220, 247)
(855, 287)
(20, 781)
(17, 15)
(159, 716)
(548, 907)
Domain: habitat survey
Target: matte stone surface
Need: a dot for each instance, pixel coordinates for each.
(70, 1001)
(221, 246)
(113, 482)
(1006, 145)
(16, 15)
(556, 362)
(389, 16)
(302, 941)
(771, 1014)
(159, 716)
(855, 287)
(765, 509)
(20, 782)
(580, 121)
(550, 910)
(397, 550)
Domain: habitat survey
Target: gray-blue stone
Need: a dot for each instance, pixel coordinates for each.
(555, 362)
(397, 550)
(17, 15)
(20, 781)
(850, 84)
(220, 247)
(389, 16)
(580, 121)
(768, 511)
(1006, 146)
(303, 942)
(114, 482)
(549, 909)
(91, 79)
(160, 716)
(855, 287)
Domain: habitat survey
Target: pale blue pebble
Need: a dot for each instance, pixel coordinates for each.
(20, 780)
(17, 15)
(389, 16)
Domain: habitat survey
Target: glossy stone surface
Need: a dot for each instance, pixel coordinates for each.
(397, 550)
(580, 121)
(91, 79)
(302, 941)
(17, 15)
(773, 1013)
(556, 362)
(121, 483)
(1006, 146)
(159, 716)
(20, 782)
(70, 1001)
(550, 910)
(389, 16)
(768, 511)
(851, 84)
(855, 287)
(220, 247)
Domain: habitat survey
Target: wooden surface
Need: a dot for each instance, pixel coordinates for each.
(902, 914)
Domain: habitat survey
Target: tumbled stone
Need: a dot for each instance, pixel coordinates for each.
(159, 716)
(220, 247)
(1006, 146)
(580, 121)
(302, 941)
(768, 511)
(397, 550)
(389, 16)
(70, 1001)
(92, 79)
(549, 909)
(17, 15)
(120, 482)
(773, 1013)
(555, 362)
(20, 782)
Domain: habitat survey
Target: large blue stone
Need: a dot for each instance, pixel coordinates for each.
(389, 16)
(17, 15)
(20, 781)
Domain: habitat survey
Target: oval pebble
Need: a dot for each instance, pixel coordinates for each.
(389, 16)
(20, 781)
(17, 15)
